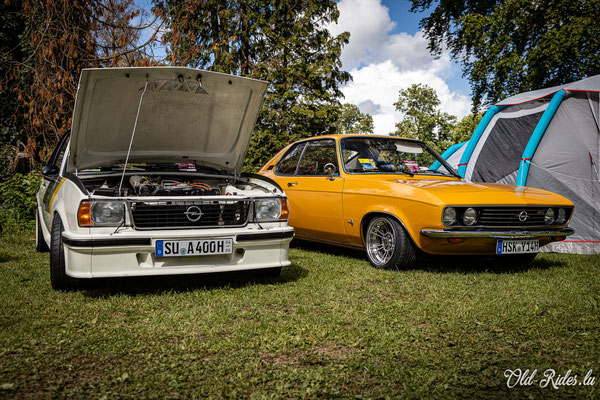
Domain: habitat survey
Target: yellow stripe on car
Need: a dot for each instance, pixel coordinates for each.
(54, 194)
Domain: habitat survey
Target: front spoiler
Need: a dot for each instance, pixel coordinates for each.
(446, 233)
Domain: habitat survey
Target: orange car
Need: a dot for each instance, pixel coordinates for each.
(378, 193)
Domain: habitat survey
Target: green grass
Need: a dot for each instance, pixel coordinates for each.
(329, 326)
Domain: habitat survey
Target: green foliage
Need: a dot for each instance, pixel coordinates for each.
(282, 41)
(422, 118)
(512, 46)
(463, 130)
(18, 200)
(352, 121)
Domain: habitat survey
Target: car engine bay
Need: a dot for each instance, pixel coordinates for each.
(167, 186)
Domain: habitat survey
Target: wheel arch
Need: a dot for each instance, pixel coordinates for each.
(368, 217)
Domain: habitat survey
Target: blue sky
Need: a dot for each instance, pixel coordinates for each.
(387, 52)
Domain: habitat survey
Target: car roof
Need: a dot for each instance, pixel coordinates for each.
(340, 136)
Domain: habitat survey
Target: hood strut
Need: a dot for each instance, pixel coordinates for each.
(132, 135)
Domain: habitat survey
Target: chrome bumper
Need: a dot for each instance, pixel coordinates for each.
(446, 233)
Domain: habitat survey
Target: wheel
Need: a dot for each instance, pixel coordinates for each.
(58, 275)
(40, 243)
(388, 245)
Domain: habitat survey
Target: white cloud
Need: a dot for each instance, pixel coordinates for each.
(379, 84)
(382, 63)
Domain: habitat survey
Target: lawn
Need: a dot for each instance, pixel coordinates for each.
(329, 326)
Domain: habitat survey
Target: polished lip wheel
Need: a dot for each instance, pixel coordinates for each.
(381, 241)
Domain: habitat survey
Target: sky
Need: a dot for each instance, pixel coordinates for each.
(387, 52)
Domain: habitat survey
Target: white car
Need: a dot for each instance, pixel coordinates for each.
(148, 182)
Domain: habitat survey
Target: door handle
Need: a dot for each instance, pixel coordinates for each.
(290, 184)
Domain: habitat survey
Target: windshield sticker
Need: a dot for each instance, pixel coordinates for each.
(367, 163)
(412, 166)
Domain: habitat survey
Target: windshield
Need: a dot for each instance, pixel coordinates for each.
(389, 155)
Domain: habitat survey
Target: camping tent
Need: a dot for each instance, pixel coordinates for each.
(549, 139)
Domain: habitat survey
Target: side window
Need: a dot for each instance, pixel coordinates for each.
(318, 153)
(59, 152)
(288, 163)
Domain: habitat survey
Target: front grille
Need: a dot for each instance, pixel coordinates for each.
(189, 214)
(512, 216)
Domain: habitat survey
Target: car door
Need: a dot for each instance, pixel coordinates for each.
(315, 196)
(51, 181)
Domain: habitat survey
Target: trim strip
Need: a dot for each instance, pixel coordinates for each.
(107, 242)
(245, 237)
(54, 194)
(496, 234)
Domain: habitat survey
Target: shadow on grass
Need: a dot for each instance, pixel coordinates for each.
(328, 249)
(133, 286)
(442, 264)
(479, 264)
(6, 258)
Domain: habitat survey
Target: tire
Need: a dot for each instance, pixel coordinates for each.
(388, 245)
(40, 243)
(58, 275)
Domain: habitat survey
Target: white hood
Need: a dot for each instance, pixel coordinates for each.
(186, 115)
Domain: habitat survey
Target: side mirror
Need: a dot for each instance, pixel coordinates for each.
(330, 170)
(49, 170)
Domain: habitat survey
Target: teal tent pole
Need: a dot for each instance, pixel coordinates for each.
(537, 135)
(464, 160)
(449, 151)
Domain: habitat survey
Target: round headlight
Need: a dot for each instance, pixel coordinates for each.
(562, 216)
(549, 217)
(449, 216)
(470, 216)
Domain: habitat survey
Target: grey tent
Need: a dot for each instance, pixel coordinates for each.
(548, 139)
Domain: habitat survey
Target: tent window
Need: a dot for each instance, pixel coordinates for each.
(501, 153)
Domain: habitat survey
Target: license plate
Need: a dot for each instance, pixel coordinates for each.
(517, 246)
(196, 247)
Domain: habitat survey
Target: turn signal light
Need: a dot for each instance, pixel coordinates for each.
(285, 213)
(84, 214)
(455, 240)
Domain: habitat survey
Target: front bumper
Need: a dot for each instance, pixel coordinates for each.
(448, 233)
(133, 253)
(481, 242)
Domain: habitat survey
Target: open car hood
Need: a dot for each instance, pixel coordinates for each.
(186, 116)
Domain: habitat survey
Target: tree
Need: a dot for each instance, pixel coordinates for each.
(463, 130)
(512, 46)
(282, 41)
(351, 120)
(50, 43)
(422, 119)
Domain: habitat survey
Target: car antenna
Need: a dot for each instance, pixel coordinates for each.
(132, 135)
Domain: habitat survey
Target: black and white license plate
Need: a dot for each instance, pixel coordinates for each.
(195, 247)
(517, 246)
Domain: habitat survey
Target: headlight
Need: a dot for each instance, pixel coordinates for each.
(562, 216)
(470, 216)
(549, 217)
(101, 213)
(275, 209)
(449, 216)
